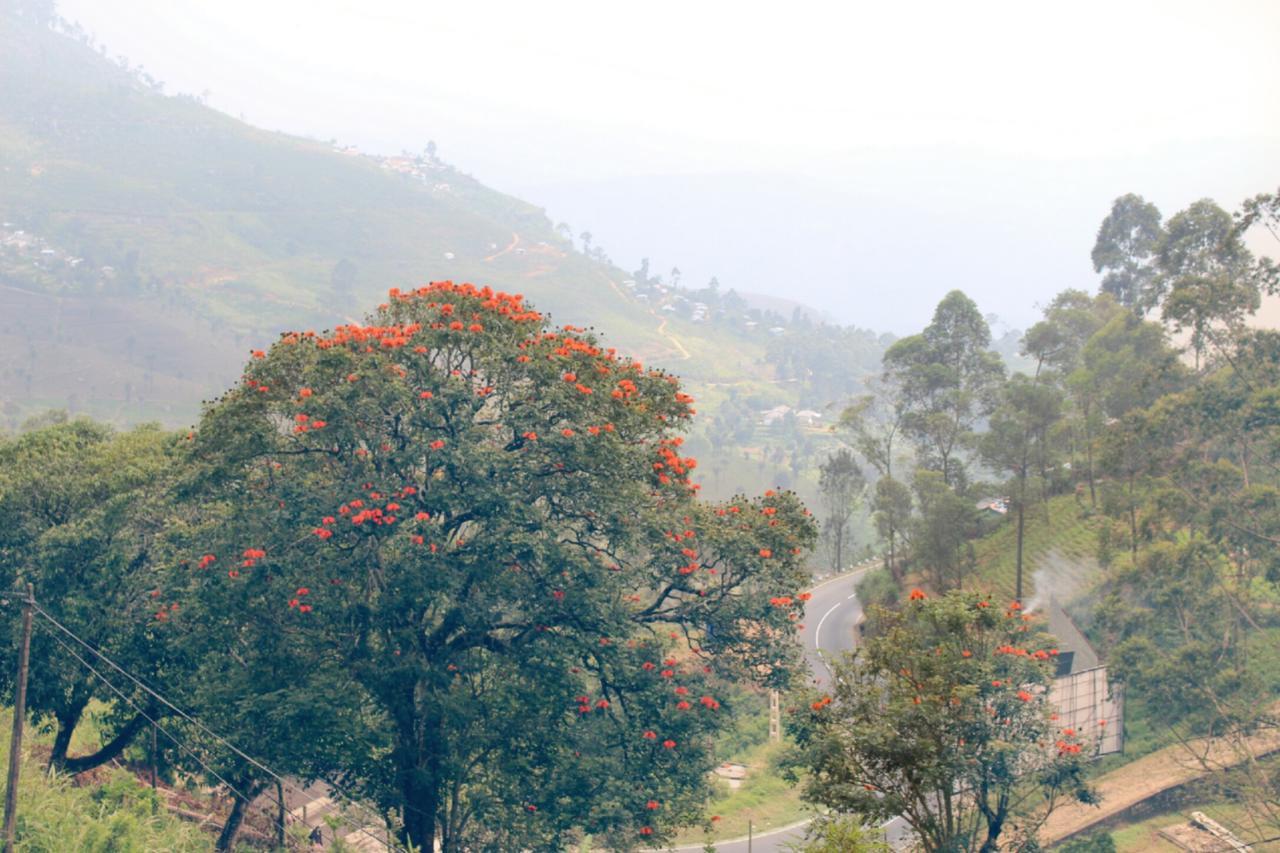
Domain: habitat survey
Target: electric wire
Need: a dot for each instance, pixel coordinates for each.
(195, 722)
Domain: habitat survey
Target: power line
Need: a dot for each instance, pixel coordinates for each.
(149, 719)
(180, 712)
(193, 721)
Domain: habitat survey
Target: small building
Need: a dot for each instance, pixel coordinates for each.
(999, 506)
(774, 415)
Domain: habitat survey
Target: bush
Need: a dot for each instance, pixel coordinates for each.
(54, 816)
(879, 587)
(1101, 843)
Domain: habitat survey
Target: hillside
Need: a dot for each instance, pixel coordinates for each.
(147, 242)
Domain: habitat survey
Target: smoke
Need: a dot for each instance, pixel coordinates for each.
(1060, 578)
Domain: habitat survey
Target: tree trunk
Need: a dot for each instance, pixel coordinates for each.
(421, 803)
(839, 544)
(280, 815)
(1022, 513)
(1133, 524)
(67, 722)
(230, 829)
(1088, 452)
(117, 745)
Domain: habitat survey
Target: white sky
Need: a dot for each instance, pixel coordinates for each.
(538, 95)
(730, 85)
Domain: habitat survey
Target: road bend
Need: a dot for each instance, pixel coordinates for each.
(830, 623)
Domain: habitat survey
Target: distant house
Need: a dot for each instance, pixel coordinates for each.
(808, 417)
(999, 506)
(777, 330)
(772, 416)
(448, 256)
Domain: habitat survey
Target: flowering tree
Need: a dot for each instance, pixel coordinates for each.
(490, 524)
(943, 719)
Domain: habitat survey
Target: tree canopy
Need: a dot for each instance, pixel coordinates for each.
(942, 718)
(489, 524)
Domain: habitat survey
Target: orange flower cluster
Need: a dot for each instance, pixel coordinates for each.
(1038, 654)
(503, 304)
(670, 461)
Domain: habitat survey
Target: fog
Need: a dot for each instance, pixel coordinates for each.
(832, 155)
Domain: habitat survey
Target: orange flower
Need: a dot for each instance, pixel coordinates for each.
(917, 595)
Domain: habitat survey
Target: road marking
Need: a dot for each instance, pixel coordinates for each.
(817, 632)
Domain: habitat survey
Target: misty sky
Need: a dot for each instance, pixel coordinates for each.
(864, 158)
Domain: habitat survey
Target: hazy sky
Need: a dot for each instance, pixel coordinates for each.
(558, 101)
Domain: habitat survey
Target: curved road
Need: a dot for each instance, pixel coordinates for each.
(830, 624)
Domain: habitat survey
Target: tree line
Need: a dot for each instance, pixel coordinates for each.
(1154, 401)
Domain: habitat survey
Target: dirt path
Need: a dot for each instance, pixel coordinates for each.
(515, 241)
(662, 323)
(1150, 775)
(675, 342)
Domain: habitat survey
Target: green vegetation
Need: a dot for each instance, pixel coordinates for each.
(942, 718)
(1137, 479)
(765, 800)
(114, 815)
(452, 520)
(1059, 526)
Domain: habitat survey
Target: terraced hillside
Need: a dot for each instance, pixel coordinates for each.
(147, 242)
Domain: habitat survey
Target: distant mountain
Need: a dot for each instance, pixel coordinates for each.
(147, 242)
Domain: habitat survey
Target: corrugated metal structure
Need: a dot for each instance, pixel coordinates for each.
(1084, 699)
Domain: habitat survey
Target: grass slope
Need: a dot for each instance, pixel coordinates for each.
(119, 814)
(1059, 551)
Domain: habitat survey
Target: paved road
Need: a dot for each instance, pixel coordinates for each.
(830, 626)
(830, 623)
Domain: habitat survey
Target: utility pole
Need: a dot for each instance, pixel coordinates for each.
(155, 800)
(19, 718)
(775, 716)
